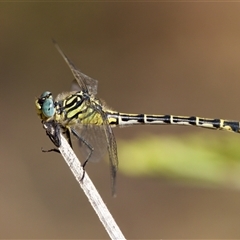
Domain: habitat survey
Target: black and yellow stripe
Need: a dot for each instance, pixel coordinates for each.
(124, 119)
(78, 108)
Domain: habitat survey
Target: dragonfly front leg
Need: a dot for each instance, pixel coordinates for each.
(50, 150)
(53, 132)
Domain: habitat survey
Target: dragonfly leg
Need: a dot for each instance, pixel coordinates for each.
(90, 148)
(83, 175)
(51, 150)
(53, 132)
(67, 133)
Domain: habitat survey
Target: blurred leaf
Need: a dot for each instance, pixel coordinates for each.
(197, 158)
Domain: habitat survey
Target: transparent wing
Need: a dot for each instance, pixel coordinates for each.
(101, 139)
(86, 83)
(94, 136)
(112, 152)
(92, 88)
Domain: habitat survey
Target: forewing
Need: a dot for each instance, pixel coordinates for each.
(90, 83)
(86, 84)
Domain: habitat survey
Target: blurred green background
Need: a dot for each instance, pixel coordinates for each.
(162, 58)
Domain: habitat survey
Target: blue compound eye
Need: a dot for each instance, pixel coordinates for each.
(47, 104)
(48, 107)
(46, 94)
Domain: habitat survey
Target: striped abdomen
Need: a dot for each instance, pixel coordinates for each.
(123, 119)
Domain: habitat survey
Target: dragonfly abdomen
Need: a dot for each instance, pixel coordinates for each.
(124, 119)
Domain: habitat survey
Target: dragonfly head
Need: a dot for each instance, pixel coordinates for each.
(45, 106)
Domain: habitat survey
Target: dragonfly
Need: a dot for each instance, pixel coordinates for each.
(81, 114)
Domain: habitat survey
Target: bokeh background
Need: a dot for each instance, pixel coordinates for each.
(165, 58)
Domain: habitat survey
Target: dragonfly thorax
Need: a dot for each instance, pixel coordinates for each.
(77, 108)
